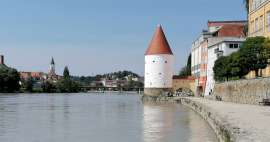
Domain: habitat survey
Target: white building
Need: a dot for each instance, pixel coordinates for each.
(158, 63)
(199, 52)
(217, 47)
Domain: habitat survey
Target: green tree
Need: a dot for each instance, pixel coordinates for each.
(221, 69)
(28, 84)
(253, 54)
(186, 70)
(48, 87)
(67, 85)
(9, 79)
(66, 73)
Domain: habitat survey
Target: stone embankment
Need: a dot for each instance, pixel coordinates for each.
(233, 122)
(251, 91)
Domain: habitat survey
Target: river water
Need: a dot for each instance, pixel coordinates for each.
(97, 118)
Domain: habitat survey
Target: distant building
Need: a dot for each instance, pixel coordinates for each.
(41, 76)
(34, 75)
(217, 31)
(114, 83)
(158, 65)
(51, 73)
(52, 76)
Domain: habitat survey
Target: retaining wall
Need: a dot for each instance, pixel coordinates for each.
(223, 130)
(243, 91)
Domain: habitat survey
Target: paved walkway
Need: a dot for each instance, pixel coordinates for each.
(253, 121)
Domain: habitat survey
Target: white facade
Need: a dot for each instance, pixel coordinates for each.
(196, 60)
(219, 47)
(158, 71)
(196, 54)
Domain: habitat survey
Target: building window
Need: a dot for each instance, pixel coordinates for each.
(216, 50)
(261, 23)
(256, 4)
(256, 27)
(160, 73)
(252, 27)
(268, 21)
(235, 45)
(154, 61)
(166, 62)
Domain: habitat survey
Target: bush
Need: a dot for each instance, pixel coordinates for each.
(28, 84)
(67, 85)
(48, 87)
(9, 79)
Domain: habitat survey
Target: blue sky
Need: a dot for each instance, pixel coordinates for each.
(99, 36)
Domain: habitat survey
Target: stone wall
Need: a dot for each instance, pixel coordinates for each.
(224, 132)
(184, 83)
(250, 91)
(156, 94)
(155, 91)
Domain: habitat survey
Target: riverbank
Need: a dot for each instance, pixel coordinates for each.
(233, 122)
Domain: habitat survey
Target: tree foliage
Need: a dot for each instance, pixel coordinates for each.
(66, 73)
(48, 87)
(28, 84)
(186, 70)
(67, 85)
(9, 79)
(252, 56)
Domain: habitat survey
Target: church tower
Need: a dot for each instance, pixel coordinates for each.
(159, 62)
(52, 68)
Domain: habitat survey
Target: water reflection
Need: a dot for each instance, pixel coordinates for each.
(173, 123)
(97, 118)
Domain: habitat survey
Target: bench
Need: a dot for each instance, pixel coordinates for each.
(265, 102)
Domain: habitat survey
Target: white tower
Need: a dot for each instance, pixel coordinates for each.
(158, 65)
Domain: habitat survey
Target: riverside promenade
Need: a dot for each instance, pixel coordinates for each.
(233, 122)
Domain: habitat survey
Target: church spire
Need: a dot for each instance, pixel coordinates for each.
(52, 61)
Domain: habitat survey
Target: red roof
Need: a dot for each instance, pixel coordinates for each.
(221, 23)
(159, 44)
(231, 30)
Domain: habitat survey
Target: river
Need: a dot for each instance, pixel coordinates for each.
(97, 118)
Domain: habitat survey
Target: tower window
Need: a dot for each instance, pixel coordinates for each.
(166, 62)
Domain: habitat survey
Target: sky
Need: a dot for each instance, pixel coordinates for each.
(100, 36)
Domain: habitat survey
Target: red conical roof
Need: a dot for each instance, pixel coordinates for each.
(159, 44)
